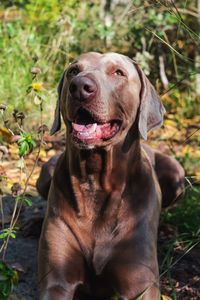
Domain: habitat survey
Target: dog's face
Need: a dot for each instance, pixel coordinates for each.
(101, 96)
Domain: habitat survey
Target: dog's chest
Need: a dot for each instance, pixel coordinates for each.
(103, 240)
(96, 202)
(105, 218)
(103, 236)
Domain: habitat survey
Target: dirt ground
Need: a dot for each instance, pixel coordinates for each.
(184, 276)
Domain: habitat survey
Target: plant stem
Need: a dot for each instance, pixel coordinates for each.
(2, 212)
(16, 213)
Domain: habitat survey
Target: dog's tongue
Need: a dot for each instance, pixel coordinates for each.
(94, 131)
(85, 128)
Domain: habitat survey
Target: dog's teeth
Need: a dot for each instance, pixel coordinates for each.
(91, 127)
(84, 133)
(94, 127)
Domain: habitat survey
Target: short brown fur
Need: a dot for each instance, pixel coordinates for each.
(99, 237)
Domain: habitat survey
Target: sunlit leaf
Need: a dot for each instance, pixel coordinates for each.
(24, 200)
(7, 232)
(22, 148)
(26, 143)
(166, 297)
(37, 100)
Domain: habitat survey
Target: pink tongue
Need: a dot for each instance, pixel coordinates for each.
(93, 131)
(84, 128)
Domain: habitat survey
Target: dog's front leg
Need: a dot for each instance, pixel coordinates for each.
(59, 292)
(61, 262)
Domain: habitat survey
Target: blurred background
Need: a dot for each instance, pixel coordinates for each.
(38, 39)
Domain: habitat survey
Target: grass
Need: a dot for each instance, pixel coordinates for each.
(183, 220)
(22, 48)
(185, 215)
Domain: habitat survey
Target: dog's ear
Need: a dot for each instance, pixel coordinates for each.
(151, 109)
(57, 118)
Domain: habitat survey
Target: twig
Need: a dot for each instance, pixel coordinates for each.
(16, 213)
(179, 82)
(172, 265)
(190, 136)
(15, 216)
(172, 48)
(125, 13)
(2, 212)
(188, 12)
(173, 55)
(28, 178)
(163, 75)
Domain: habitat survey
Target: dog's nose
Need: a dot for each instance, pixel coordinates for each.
(83, 88)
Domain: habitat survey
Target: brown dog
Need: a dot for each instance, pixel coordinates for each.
(100, 232)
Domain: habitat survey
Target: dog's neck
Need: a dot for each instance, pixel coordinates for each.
(100, 174)
(105, 167)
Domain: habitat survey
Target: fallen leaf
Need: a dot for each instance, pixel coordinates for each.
(166, 298)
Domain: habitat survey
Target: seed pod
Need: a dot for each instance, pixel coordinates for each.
(35, 70)
(42, 129)
(6, 122)
(4, 150)
(3, 107)
(20, 115)
(16, 189)
(15, 111)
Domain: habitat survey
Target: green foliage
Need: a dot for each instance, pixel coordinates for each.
(8, 278)
(49, 34)
(26, 143)
(184, 220)
(7, 232)
(186, 215)
(24, 200)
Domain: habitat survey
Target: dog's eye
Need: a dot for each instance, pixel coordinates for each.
(73, 71)
(119, 72)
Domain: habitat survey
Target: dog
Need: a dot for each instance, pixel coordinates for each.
(99, 236)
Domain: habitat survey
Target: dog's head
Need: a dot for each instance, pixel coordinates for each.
(103, 97)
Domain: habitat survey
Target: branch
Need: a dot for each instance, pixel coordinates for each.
(163, 75)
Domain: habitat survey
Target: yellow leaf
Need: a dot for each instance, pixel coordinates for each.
(5, 133)
(180, 44)
(166, 297)
(170, 122)
(187, 150)
(197, 174)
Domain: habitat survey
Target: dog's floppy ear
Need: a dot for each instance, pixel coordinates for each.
(57, 118)
(151, 109)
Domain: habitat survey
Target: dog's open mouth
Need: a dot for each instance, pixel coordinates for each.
(95, 131)
(86, 129)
